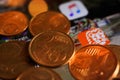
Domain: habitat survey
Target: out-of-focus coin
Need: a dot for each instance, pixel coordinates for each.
(13, 23)
(16, 3)
(93, 62)
(49, 20)
(37, 6)
(39, 73)
(51, 48)
(14, 59)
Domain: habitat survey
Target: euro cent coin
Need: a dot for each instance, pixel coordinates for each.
(51, 48)
(49, 20)
(93, 62)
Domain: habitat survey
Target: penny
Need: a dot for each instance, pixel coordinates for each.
(51, 48)
(13, 23)
(37, 6)
(93, 62)
(49, 20)
(14, 59)
(39, 73)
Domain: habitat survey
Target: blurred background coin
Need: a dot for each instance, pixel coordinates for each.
(12, 3)
(51, 48)
(37, 6)
(13, 23)
(14, 59)
(39, 73)
(47, 21)
(93, 62)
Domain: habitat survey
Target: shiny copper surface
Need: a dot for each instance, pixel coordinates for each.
(39, 73)
(93, 62)
(51, 48)
(13, 23)
(49, 20)
(14, 59)
(37, 6)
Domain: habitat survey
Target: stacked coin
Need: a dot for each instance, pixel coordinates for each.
(93, 62)
(51, 48)
(49, 20)
(14, 59)
(13, 23)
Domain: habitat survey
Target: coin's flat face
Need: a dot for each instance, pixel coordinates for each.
(37, 6)
(39, 73)
(51, 48)
(93, 62)
(13, 23)
(49, 20)
(13, 59)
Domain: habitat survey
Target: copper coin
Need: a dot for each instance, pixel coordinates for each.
(13, 23)
(49, 20)
(39, 73)
(51, 48)
(37, 6)
(93, 62)
(16, 3)
(14, 59)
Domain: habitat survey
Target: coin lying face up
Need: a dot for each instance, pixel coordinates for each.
(49, 20)
(14, 59)
(51, 48)
(93, 62)
(12, 23)
(39, 73)
(37, 6)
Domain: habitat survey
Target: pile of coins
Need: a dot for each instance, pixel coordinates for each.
(49, 46)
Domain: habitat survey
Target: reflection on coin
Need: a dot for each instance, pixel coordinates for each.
(37, 6)
(14, 59)
(93, 62)
(116, 50)
(51, 48)
(39, 73)
(13, 23)
(49, 20)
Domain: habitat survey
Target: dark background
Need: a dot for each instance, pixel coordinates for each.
(96, 8)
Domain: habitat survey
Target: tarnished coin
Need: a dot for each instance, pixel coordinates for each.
(13, 23)
(39, 73)
(37, 6)
(49, 20)
(14, 59)
(51, 48)
(93, 62)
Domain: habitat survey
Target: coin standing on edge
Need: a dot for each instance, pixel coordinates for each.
(93, 62)
(13, 23)
(39, 73)
(14, 59)
(49, 20)
(37, 6)
(51, 48)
